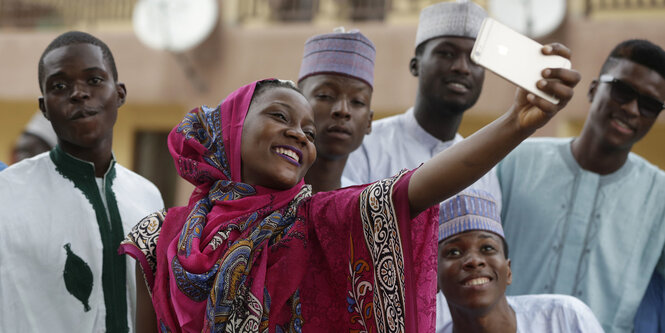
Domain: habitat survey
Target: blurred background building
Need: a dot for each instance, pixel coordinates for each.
(254, 39)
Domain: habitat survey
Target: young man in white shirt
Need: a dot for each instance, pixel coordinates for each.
(474, 271)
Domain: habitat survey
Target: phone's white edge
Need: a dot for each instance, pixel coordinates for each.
(480, 43)
(478, 49)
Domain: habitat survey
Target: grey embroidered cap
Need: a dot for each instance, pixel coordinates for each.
(461, 18)
(469, 210)
(346, 53)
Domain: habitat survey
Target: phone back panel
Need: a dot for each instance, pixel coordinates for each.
(514, 56)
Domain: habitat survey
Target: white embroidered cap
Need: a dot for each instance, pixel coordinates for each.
(461, 19)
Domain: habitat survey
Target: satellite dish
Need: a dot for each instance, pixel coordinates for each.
(174, 25)
(534, 18)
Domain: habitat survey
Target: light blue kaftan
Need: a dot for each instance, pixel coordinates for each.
(575, 232)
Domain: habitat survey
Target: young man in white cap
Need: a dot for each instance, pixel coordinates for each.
(448, 85)
(474, 271)
(337, 76)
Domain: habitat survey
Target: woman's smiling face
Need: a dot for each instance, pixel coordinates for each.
(277, 139)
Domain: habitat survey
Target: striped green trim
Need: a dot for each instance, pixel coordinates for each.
(82, 174)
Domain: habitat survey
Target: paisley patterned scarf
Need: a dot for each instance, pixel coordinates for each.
(214, 259)
(241, 258)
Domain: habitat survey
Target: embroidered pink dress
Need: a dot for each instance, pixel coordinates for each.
(242, 258)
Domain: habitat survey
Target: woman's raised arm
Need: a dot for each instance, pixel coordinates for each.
(461, 165)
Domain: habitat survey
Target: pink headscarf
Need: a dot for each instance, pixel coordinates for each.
(225, 219)
(248, 258)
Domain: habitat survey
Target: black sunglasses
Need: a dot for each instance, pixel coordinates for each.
(623, 93)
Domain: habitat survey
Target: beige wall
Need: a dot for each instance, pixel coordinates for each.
(159, 92)
(14, 114)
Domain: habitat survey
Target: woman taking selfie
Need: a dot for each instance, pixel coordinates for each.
(255, 251)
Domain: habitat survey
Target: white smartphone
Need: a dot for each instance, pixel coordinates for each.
(514, 57)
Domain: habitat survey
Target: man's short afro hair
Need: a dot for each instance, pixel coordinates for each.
(639, 51)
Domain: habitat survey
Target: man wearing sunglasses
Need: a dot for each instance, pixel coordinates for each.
(584, 216)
